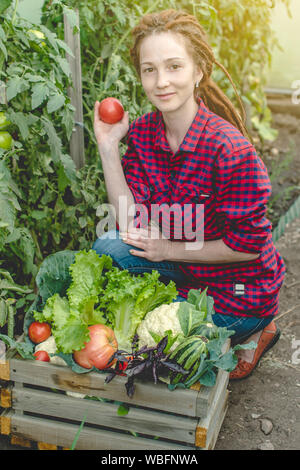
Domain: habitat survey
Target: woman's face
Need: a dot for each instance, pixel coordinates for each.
(168, 72)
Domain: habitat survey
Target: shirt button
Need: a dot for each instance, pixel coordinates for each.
(173, 173)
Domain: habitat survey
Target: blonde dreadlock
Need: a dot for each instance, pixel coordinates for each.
(196, 40)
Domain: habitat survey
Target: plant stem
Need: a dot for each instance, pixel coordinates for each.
(15, 12)
(78, 433)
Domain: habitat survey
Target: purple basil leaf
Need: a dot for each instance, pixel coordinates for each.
(144, 350)
(154, 371)
(110, 377)
(174, 367)
(137, 369)
(130, 387)
(162, 345)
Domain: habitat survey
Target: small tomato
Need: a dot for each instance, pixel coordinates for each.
(4, 122)
(39, 332)
(42, 356)
(111, 110)
(39, 37)
(99, 349)
(5, 140)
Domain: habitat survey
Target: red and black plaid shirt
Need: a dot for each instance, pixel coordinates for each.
(215, 165)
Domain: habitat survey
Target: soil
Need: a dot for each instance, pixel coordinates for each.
(264, 409)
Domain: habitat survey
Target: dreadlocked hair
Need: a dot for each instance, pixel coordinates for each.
(197, 45)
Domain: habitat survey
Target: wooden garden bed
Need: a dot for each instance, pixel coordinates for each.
(35, 407)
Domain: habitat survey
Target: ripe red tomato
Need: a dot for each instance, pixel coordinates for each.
(99, 349)
(42, 356)
(39, 332)
(111, 110)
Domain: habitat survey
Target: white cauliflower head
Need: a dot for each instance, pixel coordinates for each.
(50, 346)
(159, 320)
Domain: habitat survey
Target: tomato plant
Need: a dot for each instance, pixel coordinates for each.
(39, 332)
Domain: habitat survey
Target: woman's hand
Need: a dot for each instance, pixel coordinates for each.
(107, 134)
(155, 247)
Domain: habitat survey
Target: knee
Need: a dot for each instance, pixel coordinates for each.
(107, 242)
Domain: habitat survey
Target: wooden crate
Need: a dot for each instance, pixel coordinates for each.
(35, 407)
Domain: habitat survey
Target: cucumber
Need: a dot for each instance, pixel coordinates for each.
(11, 321)
(3, 312)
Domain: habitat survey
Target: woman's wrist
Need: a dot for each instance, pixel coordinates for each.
(109, 148)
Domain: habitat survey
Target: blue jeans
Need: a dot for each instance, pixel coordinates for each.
(111, 244)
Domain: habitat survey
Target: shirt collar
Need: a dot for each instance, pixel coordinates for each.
(193, 134)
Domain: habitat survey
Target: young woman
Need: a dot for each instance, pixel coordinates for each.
(193, 150)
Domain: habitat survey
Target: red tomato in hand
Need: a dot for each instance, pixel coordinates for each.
(39, 332)
(42, 356)
(111, 110)
(99, 349)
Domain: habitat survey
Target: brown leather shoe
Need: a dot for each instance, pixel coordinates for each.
(270, 335)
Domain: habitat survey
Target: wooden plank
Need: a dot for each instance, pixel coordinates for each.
(207, 395)
(45, 446)
(206, 426)
(63, 434)
(5, 370)
(75, 92)
(5, 422)
(19, 441)
(6, 397)
(149, 395)
(215, 433)
(149, 422)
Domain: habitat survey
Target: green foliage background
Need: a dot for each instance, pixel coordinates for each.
(46, 205)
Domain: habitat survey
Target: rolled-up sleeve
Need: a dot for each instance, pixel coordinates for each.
(243, 190)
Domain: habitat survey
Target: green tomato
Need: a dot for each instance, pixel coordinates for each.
(5, 140)
(40, 36)
(4, 122)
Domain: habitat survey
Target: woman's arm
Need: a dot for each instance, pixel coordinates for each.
(108, 137)
(118, 192)
(158, 248)
(212, 252)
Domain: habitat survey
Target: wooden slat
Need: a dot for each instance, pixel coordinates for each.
(206, 426)
(207, 394)
(63, 434)
(5, 422)
(5, 397)
(46, 446)
(93, 384)
(4, 370)
(148, 422)
(75, 92)
(19, 441)
(214, 436)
